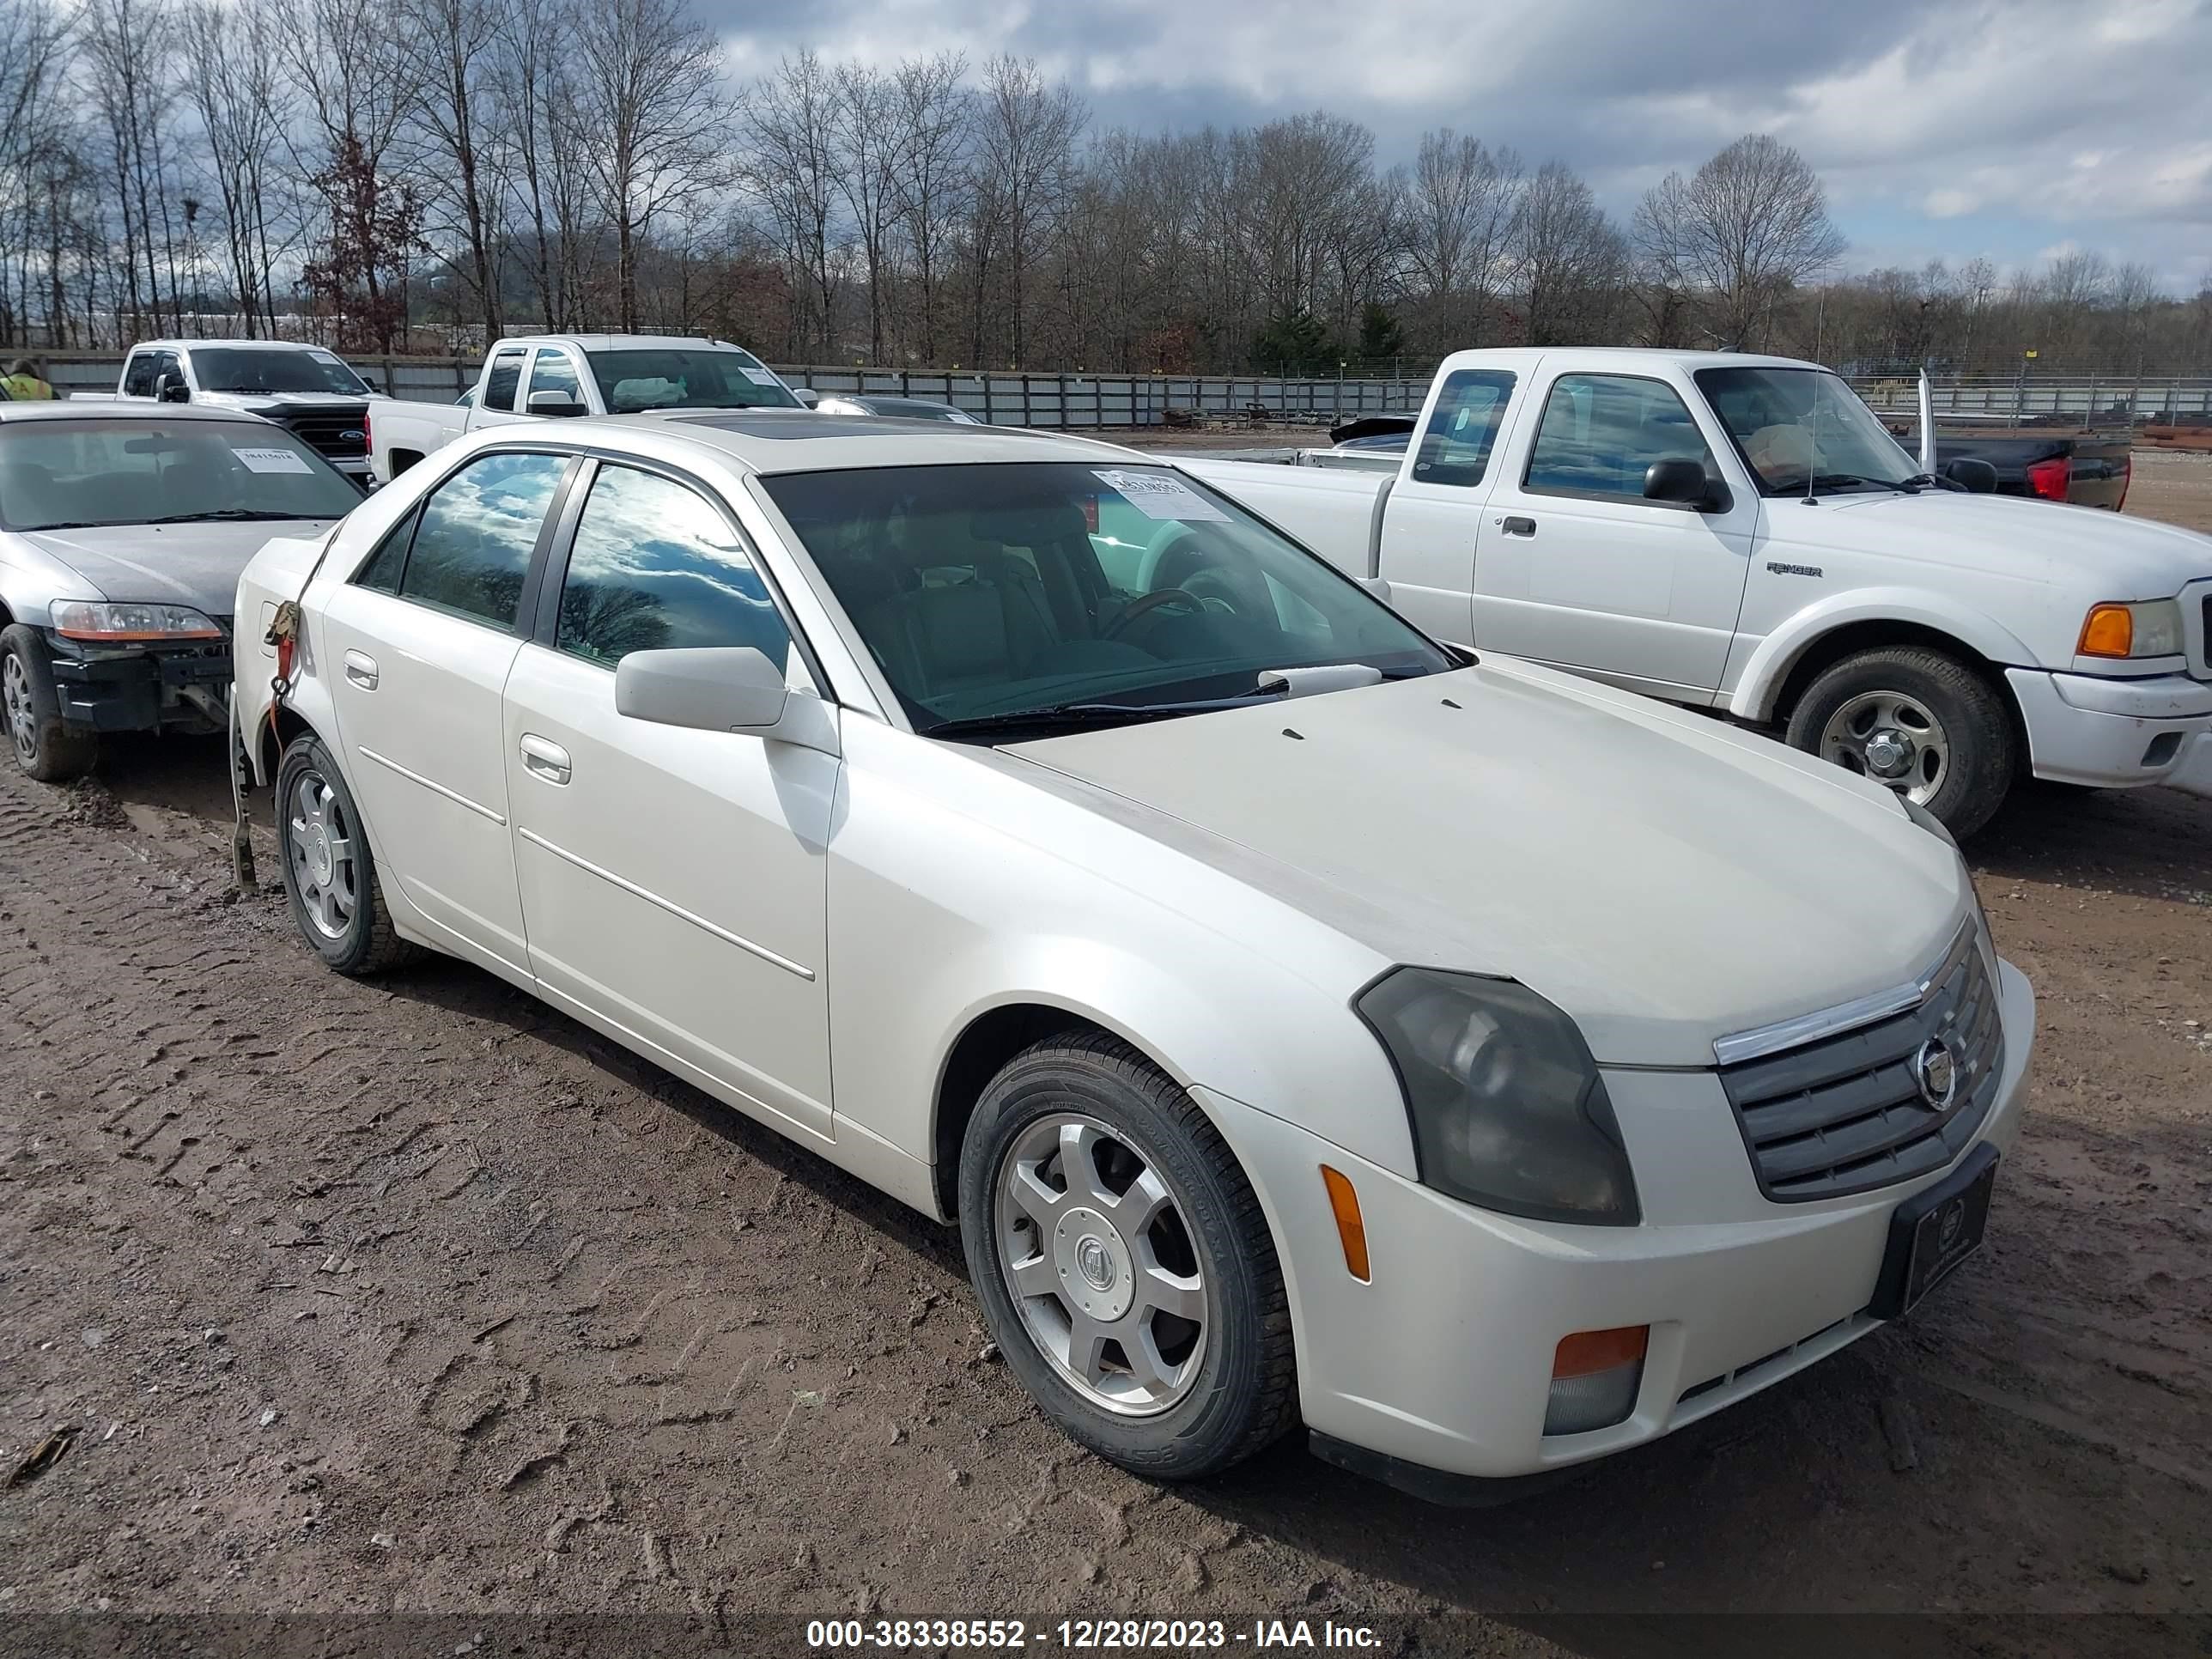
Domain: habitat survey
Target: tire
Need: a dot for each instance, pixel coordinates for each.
(1925, 699)
(1203, 1394)
(330, 872)
(45, 746)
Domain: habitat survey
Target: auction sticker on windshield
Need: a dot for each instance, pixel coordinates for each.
(760, 377)
(1158, 495)
(272, 461)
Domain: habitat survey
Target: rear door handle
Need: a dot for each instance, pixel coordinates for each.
(1517, 527)
(360, 669)
(544, 759)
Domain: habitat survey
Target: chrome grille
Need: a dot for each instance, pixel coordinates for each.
(1846, 1113)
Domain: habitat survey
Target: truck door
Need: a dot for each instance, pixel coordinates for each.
(1579, 569)
(1430, 522)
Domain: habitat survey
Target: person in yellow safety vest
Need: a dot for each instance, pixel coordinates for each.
(23, 383)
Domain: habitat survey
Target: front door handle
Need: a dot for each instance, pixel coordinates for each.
(1516, 526)
(547, 760)
(360, 669)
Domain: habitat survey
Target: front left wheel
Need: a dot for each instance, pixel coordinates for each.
(45, 746)
(1122, 1261)
(330, 873)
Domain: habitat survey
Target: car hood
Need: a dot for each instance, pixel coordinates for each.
(1665, 879)
(193, 564)
(2108, 554)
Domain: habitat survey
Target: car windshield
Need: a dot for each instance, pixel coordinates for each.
(1795, 424)
(1004, 590)
(80, 474)
(237, 369)
(678, 377)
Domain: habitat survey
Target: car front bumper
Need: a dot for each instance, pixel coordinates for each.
(142, 690)
(1437, 1372)
(2117, 734)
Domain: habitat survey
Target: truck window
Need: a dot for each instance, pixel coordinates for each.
(499, 387)
(1601, 432)
(1455, 444)
(138, 376)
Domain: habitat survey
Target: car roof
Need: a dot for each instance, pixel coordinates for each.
(81, 409)
(621, 341)
(1628, 359)
(242, 345)
(770, 440)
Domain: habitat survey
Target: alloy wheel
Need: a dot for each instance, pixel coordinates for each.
(15, 703)
(1099, 1262)
(320, 846)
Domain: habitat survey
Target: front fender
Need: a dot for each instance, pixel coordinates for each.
(1768, 668)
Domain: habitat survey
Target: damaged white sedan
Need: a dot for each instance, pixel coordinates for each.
(1303, 1021)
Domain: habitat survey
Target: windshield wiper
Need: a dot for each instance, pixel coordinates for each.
(234, 515)
(1091, 714)
(1844, 480)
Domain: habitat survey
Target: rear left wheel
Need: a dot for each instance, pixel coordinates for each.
(330, 873)
(1122, 1262)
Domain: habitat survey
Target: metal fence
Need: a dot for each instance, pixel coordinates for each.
(1086, 401)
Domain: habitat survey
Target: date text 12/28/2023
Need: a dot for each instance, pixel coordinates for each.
(1089, 1635)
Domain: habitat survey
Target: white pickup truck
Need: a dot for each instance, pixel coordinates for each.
(1740, 533)
(534, 377)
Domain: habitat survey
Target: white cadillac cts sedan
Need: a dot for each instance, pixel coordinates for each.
(1303, 1021)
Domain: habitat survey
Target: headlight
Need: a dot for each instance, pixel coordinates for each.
(2148, 628)
(104, 624)
(1507, 1109)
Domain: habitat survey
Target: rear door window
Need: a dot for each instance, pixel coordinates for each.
(477, 531)
(498, 389)
(1455, 444)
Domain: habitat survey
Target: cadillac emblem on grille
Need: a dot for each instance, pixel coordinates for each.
(1935, 1069)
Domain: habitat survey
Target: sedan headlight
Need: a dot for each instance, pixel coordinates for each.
(1509, 1111)
(99, 621)
(2147, 628)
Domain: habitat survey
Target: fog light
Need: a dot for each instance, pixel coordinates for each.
(1595, 1378)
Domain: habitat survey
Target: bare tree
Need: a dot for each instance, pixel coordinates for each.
(453, 44)
(1569, 262)
(1747, 226)
(1459, 211)
(38, 160)
(868, 139)
(126, 48)
(244, 107)
(790, 171)
(1024, 160)
(649, 82)
(929, 177)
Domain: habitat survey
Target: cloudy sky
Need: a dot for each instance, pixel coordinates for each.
(2004, 128)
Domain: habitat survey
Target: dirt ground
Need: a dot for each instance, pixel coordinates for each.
(419, 1307)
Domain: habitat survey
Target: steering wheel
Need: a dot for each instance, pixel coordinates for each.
(1149, 603)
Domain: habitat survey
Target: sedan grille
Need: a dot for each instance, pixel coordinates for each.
(341, 432)
(1886, 1101)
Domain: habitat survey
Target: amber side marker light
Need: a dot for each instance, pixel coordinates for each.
(1351, 1230)
(1595, 1378)
(2110, 631)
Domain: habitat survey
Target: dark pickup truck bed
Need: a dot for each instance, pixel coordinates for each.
(2087, 466)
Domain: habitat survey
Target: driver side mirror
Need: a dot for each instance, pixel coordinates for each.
(1679, 484)
(806, 395)
(168, 389)
(555, 402)
(1975, 477)
(725, 688)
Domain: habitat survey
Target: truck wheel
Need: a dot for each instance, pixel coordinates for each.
(330, 874)
(1122, 1261)
(45, 746)
(1919, 720)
